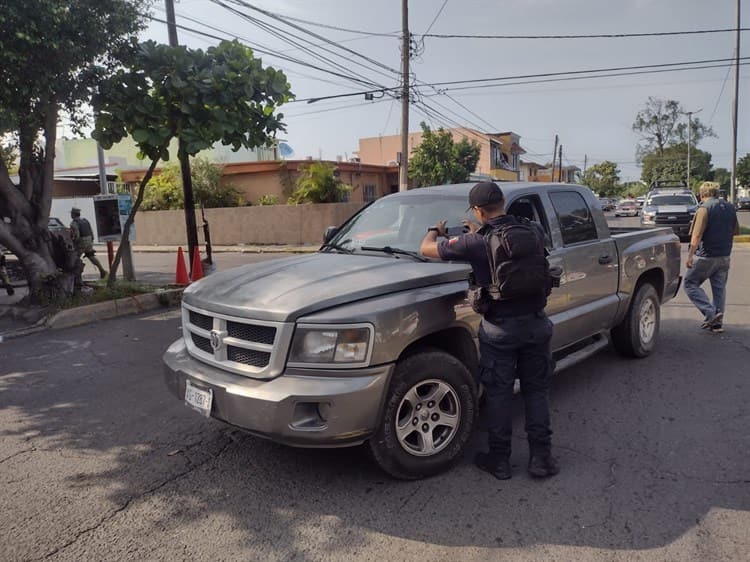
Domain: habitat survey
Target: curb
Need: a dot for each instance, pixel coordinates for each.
(80, 315)
(742, 238)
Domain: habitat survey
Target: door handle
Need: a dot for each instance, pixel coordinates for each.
(604, 260)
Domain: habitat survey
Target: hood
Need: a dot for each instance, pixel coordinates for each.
(285, 289)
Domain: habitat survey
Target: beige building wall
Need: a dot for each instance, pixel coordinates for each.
(255, 186)
(273, 224)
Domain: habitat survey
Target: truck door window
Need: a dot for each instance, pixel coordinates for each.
(576, 222)
(530, 207)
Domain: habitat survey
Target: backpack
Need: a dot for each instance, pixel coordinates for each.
(518, 261)
(84, 227)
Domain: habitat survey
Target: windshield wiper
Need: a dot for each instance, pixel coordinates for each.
(339, 247)
(391, 250)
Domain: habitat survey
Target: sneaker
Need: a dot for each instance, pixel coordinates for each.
(715, 320)
(541, 466)
(717, 329)
(500, 469)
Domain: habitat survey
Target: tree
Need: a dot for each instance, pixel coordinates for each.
(603, 179)
(439, 160)
(743, 170)
(164, 191)
(671, 165)
(662, 124)
(722, 176)
(223, 94)
(52, 55)
(317, 183)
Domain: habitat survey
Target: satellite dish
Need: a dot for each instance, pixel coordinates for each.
(285, 150)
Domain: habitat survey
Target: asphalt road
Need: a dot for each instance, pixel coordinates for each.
(99, 462)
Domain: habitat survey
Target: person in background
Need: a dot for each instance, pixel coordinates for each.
(83, 238)
(711, 235)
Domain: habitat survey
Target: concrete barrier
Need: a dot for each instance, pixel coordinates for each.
(271, 224)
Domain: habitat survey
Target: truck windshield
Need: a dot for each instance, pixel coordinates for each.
(672, 200)
(401, 221)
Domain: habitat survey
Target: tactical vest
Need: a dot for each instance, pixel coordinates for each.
(719, 234)
(84, 227)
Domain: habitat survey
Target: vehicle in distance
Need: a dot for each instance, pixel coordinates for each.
(368, 341)
(606, 204)
(743, 204)
(673, 208)
(627, 208)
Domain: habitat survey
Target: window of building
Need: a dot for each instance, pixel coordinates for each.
(576, 222)
(368, 192)
(514, 160)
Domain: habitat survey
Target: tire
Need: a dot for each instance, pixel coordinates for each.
(636, 335)
(400, 445)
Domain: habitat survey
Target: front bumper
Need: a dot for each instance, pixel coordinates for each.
(302, 408)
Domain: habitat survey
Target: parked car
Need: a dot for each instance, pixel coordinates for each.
(627, 208)
(368, 341)
(640, 201)
(743, 204)
(675, 209)
(606, 204)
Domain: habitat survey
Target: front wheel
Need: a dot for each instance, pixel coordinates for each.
(636, 335)
(429, 414)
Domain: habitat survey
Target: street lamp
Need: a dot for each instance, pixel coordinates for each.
(690, 124)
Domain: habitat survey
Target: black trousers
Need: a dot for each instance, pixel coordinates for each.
(512, 348)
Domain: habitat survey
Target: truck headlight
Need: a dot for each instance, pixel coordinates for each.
(344, 346)
(649, 216)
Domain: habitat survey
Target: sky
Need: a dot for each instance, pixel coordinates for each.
(592, 117)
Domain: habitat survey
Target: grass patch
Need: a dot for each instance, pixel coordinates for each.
(97, 291)
(745, 230)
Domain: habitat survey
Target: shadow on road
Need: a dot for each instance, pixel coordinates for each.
(647, 448)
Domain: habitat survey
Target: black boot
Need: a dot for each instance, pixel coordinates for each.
(499, 468)
(541, 466)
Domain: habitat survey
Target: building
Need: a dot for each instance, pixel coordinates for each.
(278, 178)
(568, 174)
(499, 156)
(530, 170)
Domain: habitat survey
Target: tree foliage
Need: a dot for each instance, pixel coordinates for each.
(439, 160)
(52, 56)
(671, 165)
(222, 94)
(663, 123)
(317, 183)
(722, 176)
(164, 191)
(603, 179)
(743, 170)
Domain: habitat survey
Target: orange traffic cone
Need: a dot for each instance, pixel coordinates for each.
(181, 277)
(197, 271)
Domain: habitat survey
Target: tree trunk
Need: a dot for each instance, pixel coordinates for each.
(53, 270)
(129, 222)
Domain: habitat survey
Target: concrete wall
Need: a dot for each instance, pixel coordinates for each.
(272, 224)
(61, 209)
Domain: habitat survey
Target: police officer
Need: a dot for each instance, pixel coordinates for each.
(83, 238)
(514, 341)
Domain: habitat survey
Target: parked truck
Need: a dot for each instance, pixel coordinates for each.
(368, 341)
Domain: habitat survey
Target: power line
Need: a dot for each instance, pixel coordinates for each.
(440, 11)
(265, 51)
(721, 92)
(336, 27)
(289, 38)
(589, 36)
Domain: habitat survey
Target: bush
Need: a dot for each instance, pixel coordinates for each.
(268, 200)
(317, 183)
(165, 190)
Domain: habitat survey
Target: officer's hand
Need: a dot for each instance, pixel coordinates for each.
(471, 225)
(689, 263)
(441, 228)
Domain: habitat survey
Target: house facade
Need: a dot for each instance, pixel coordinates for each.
(499, 155)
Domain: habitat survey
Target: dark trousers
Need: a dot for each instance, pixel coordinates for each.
(512, 348)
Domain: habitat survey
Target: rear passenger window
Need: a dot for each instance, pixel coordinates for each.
(576, 223)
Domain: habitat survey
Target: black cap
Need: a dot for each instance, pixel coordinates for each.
(485, 193)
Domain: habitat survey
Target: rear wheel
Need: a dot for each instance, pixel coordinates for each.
(428, 418)
(636, 335)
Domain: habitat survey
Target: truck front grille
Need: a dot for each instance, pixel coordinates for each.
(250, 347)
(672, 218)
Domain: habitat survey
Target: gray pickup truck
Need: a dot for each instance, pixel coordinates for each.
(367, 341)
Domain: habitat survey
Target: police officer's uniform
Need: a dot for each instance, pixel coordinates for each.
(83, 237)
(514, 342)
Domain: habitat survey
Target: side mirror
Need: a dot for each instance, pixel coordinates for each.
(329, 233)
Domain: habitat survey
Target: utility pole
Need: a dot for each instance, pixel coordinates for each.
(690, 141)
(554, 155)
(585, 162)
(187, 180)
(559, 165)
(733, 180)
(403, 172)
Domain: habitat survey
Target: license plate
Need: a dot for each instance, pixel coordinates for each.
(197, 399)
